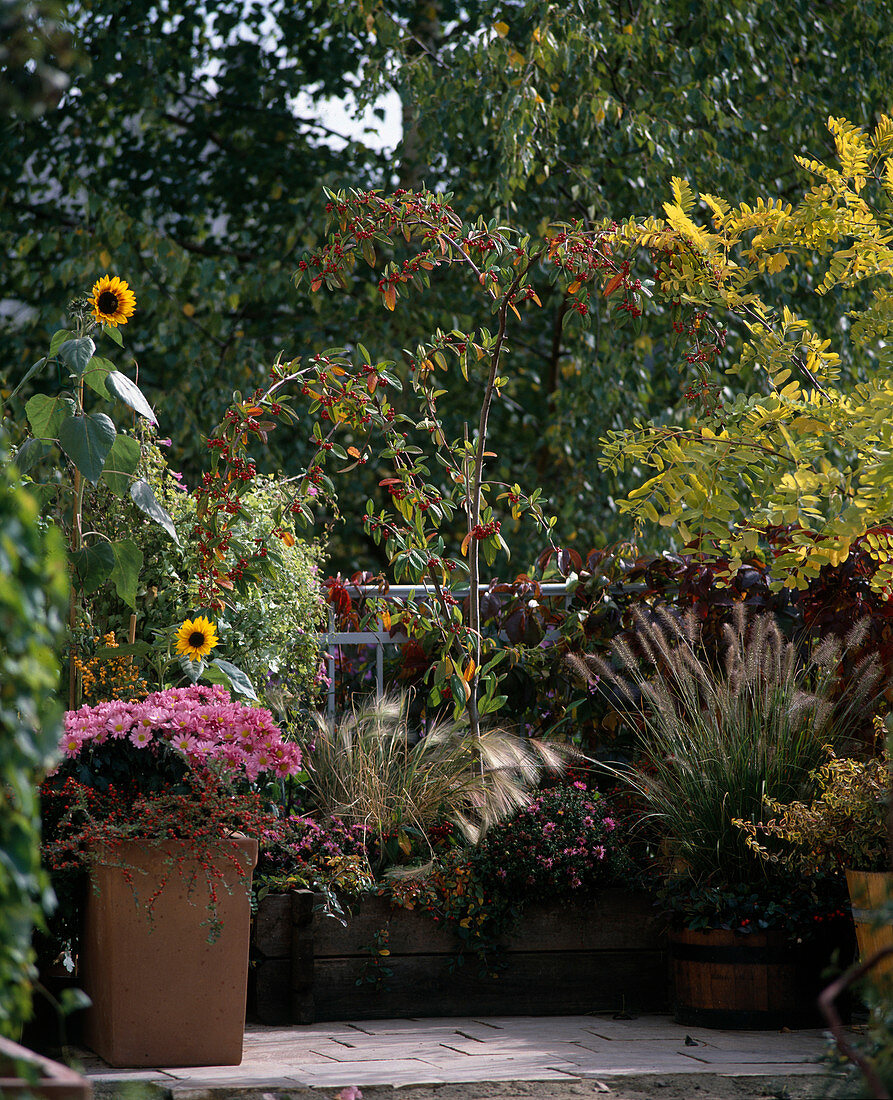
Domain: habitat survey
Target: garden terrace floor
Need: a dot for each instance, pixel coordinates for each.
(547, 1058)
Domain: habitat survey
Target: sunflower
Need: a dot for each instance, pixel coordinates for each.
(196, 638)
(113, 301)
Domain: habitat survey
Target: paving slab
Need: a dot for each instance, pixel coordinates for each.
(560, 1057)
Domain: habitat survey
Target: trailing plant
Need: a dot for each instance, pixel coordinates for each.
(185, 763)
(297, 852)
(369, 771)
(33, 596)
(719, 738)
(562, 847)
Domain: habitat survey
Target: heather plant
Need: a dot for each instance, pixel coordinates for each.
(369, 771)
(563, 844)
(297, 852)
(718, 739)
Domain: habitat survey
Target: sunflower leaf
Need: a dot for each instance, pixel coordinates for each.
(30, 453)
(95, 375)
(112, 331)
(120, 386)
(45, 414)
(124, 576)
(236, 677)
(58, 340)
(191, 669)
(142, 496)
(77, 353)
(28, 374)
(122, 460)
(92, 566)
(87, 440)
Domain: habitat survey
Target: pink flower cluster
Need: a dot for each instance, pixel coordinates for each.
(202, 723)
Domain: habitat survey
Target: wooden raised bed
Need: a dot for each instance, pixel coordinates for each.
(608, 954)
(32, 1077)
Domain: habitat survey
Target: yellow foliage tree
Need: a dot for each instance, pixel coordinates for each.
(805, 447)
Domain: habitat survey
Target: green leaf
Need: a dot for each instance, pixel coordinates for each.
(30, 371)
(191, 669)
(87, 440)
(30, 453)
(489, 706)
(120, 386)
(45, 414)
(142, 496)
(77, 353)
(130, 649)
(128, 563)
(112, 331)
(95, 375)
(236, 677)
(122, 460)
(59, 338)
(92, 566)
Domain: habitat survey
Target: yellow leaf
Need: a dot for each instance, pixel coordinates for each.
(628, 29)
(501, 29)
(778, 262)
(465, 542)
(105, 259)
(189, 309)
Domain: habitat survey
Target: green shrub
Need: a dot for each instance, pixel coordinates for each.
(270, 625)
(33, 592)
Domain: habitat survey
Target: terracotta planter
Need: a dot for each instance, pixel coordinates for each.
(753, 982)
(869, 892)
(162, 994)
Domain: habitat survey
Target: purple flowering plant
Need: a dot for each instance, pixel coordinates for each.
(565, 844)
(152, 744)
(297, 852)
(181, 764)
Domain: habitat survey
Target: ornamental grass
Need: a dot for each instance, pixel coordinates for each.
(369, 771)
(722, 734)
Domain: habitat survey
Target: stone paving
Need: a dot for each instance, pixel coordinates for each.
(435, 1052)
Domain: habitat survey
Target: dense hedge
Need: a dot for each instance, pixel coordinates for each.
(33, 592)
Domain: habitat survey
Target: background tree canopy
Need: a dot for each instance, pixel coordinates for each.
(181, 158)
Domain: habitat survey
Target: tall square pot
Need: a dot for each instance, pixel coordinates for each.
(162, 994)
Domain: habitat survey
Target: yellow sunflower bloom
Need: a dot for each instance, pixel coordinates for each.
(113, 301)
(196, 638)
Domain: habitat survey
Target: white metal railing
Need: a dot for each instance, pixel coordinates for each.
(380, 638)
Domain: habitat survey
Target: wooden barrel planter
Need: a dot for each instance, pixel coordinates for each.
(562, 959)
(869, 892)
(751, 982)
